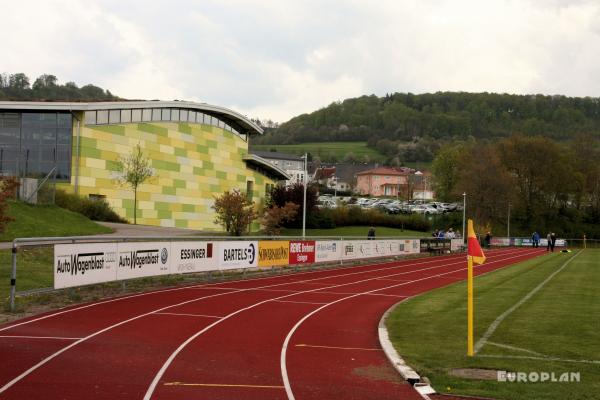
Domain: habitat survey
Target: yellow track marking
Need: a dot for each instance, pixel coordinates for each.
(222, 385)
(337, 348)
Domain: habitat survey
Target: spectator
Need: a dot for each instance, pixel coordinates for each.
(535, 239)
(549, 240)
(441, 234)
(371, 234)
(487, 239)
(552, 241)
(450, 234)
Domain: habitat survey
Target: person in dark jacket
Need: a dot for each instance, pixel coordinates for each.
(487, 240)
(371, 234)
(552, 241)
(549, 241)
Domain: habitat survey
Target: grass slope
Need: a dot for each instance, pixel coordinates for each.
(326, 149)
(37, 220)
(561, 320)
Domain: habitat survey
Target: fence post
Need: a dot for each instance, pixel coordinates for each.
(584, 242)
(13, 277)
(342, 252)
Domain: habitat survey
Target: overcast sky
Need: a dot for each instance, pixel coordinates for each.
(277, 59)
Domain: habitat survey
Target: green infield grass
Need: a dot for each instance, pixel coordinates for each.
(554, 331)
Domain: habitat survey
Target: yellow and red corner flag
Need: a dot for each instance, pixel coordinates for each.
(474, 255)
(473, 248)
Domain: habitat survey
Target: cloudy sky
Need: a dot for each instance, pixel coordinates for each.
(277, 59)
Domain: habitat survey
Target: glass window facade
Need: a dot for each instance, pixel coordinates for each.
(123, 116)
(31, 144)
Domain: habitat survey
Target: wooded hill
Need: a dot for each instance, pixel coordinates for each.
(442, 115)
(46, 88)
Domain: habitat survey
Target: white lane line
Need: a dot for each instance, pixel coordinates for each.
(173, 355)
(57, 353)
(213, 285)
(540, 358)
(284, 374)
(187, 315)
(296, 302)
(492, 328)
(506, 346)
(40, 337)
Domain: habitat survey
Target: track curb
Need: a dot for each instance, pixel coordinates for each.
(409, 374)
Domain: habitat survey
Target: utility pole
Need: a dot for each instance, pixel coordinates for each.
(304, 201)
(464, 213)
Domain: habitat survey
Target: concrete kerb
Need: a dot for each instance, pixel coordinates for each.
(409, 374)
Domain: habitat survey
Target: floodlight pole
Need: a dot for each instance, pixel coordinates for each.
(508, 222)
(304, 200)
(464, 213)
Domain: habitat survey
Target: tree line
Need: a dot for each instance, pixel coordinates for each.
(442, 115)
(550, 185)
(46, 88)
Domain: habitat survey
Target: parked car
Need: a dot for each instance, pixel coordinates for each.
(423, 209)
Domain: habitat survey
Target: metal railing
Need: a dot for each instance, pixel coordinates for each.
(20, 243)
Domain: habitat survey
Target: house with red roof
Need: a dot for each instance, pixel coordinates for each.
(382, 181)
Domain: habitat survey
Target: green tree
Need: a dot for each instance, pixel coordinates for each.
(446, 169)
(133, 170)
(235, 212)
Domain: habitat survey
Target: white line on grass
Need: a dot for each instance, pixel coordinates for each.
(506, 346)
(490, 331)
(542, 358)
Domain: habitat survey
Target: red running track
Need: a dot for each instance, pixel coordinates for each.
(309, 335)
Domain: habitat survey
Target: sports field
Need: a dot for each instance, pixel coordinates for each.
(546, 315)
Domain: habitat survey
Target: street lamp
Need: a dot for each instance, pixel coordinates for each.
(304, 181)
(464, 213)
(508, 223)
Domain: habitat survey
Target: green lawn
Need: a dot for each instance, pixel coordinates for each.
(45, 220)
(360, 231)
(560, 321)
(325, 149)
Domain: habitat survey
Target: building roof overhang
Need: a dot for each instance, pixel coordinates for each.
(272, 170)
(232, 118)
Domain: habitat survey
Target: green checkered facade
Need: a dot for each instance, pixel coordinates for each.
(193, 163)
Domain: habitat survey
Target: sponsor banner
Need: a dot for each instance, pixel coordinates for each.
(412, 246)
(383, 248)
(84, 264)
(328, 250)
(302, 251)
(273, 253)
(238, 254)
(354, 249)
(138, 260)
(500, 242)
(193, 257)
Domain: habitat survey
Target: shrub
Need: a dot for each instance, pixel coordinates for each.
(94, 209)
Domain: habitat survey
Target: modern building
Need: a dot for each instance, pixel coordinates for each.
(197, 151)
(292, 164)
(382, 181)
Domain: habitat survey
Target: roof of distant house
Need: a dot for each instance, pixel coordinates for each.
(383, 171)
(275, 155)
(324, 173)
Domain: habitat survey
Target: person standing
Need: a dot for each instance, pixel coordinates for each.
(487, 240)
(371, 234)
(535, 238)
(549, 240)
(552, 241)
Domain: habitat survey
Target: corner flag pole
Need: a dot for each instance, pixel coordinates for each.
(474, 255)
(470, 306)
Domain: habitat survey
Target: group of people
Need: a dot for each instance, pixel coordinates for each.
(550, 240)
(449, 234)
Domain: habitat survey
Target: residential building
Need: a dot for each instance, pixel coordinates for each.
(381, 181)
(292, 164)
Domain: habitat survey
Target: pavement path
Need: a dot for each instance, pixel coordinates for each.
(134, 230)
